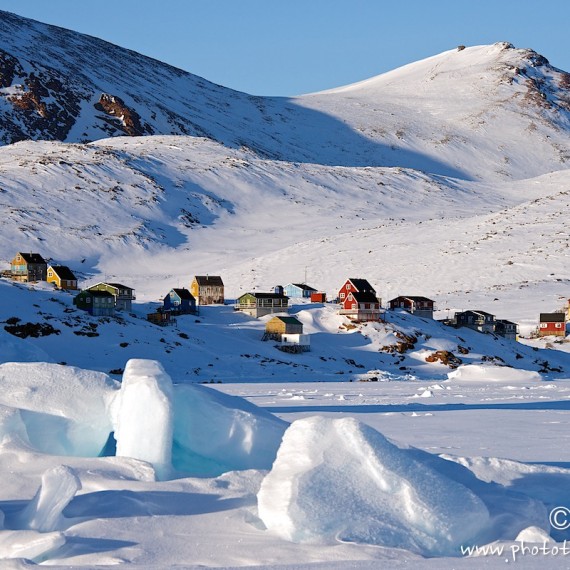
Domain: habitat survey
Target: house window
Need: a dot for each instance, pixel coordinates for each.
(558, 325)
(354, 305)
(543, 325)
(367, 305)
(348, 286)
(342, 295)
(88, 300)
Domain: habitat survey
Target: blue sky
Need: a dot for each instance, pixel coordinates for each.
(290, 47)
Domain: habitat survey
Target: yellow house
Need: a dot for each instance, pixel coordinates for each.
(207, 290)
(61, 276)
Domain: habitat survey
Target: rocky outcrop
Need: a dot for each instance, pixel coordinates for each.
(9, 68)
(44, 105)
(125, 118)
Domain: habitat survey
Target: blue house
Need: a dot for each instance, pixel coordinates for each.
(299, 290)
(180, 302)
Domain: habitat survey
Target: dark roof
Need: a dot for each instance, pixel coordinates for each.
(505, 322)
(32, 257)
(215, 280)
(289, 320)
(265, 295)
(412, 298)
(184, 293)
(118, 285)
(303, 286)
(96, 293)
(366, 297)
(362, 285)
(552, 317)
(63, 272)
(477, 312)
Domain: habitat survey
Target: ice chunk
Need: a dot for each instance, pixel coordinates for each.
(216, 432)
(11, 425)
(44, 511)
(340, 479)
(29, 544)
(64, 409)
(143, 415)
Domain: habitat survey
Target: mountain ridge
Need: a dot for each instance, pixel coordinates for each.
(79, 97)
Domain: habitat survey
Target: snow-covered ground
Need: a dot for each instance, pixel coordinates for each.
(466, 462)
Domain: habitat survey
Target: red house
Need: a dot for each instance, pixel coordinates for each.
(552, 324)
(358, 301)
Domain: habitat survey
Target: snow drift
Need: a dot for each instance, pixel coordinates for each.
(480, 372)
(338, 479)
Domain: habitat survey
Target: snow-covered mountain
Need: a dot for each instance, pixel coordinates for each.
(462, 113)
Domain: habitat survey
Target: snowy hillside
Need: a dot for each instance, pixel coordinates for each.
(152, 212)
(221, 345)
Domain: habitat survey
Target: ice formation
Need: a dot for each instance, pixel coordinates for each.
(56, 409)
(28, 544)
(215, 432)
(44, 511)
(340, 479)
(143, 415)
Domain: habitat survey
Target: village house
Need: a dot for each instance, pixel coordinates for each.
(299, 290)
(419, 306)
(123, 295)
(476, 320)
(552, 324)
(281, 325)
(207, 289)
(288, 332)
(261, 304)
(96, 303)
(28, 267)
(358, 301)
(506, 329)
(61, 276)
(180, 301)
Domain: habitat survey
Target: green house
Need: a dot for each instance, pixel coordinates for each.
(124, 296)
(96, 303)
